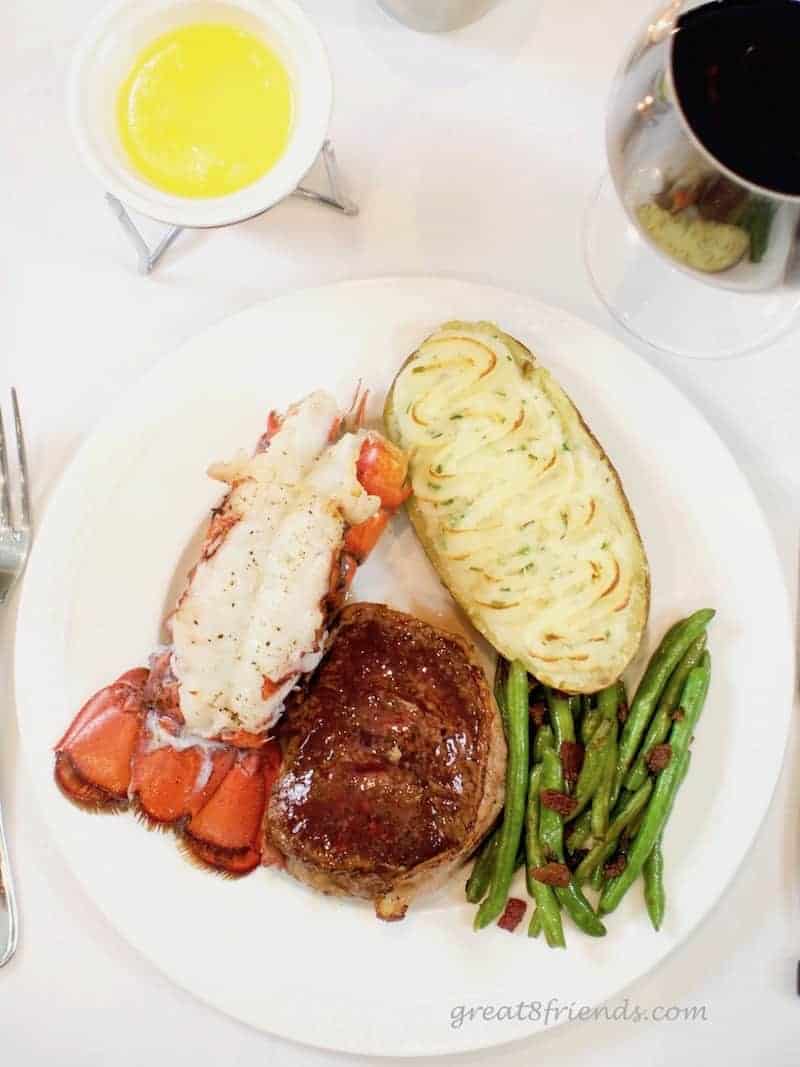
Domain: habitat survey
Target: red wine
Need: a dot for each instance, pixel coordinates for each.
(736, 71)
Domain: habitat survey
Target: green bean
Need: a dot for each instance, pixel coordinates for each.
(591, 718)
(597, 879)
(594, 764)
(576, 710)
(587, 707)
(608, 702)
(560, 716)
(605, 848)
(546, 902)
(579, 832)
(662, 663)
(632, 830)
(481, 876)
(551, 826)
(516, 784)
(660, 723)
(667, 782)
(623, 693)
(544, 739)
(628, 809)
(580, 910)
(535, 925)
(595, 757)
(551, 836)
(500, 678)
(655, 894)
(602, 797)
(605, 852)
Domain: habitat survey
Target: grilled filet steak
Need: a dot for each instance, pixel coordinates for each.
(394, 761)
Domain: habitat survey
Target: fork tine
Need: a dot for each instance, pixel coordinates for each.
(24, 493)
(5, 493)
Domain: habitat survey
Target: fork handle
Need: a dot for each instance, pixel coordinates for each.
(9, 920)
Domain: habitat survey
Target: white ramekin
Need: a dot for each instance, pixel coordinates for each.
(105, 55)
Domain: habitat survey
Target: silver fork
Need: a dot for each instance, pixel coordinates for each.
(15, 543)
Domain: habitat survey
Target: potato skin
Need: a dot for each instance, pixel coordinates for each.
(584, 678)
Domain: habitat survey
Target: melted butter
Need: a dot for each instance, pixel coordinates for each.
(205, 110)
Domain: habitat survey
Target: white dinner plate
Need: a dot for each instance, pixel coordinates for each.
(265, 949)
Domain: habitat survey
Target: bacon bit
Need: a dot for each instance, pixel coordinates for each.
(512, 916)
(615, 867)
(677, 714)
(555, 874)
(571, 754)
(622, 711)
(658, 758)
(538, 710)
(559, 802)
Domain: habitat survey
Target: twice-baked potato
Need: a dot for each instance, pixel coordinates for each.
(518, 507)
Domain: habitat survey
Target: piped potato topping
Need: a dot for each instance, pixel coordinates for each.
(520, 510)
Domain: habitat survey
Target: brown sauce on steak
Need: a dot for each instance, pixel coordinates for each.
(385, 754)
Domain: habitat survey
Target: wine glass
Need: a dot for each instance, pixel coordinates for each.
(690, 241)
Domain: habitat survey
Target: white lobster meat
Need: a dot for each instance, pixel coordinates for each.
(252, 619)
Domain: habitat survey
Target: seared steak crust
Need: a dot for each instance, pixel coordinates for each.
(394, 761)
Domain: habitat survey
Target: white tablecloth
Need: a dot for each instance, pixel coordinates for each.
(470, 155)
